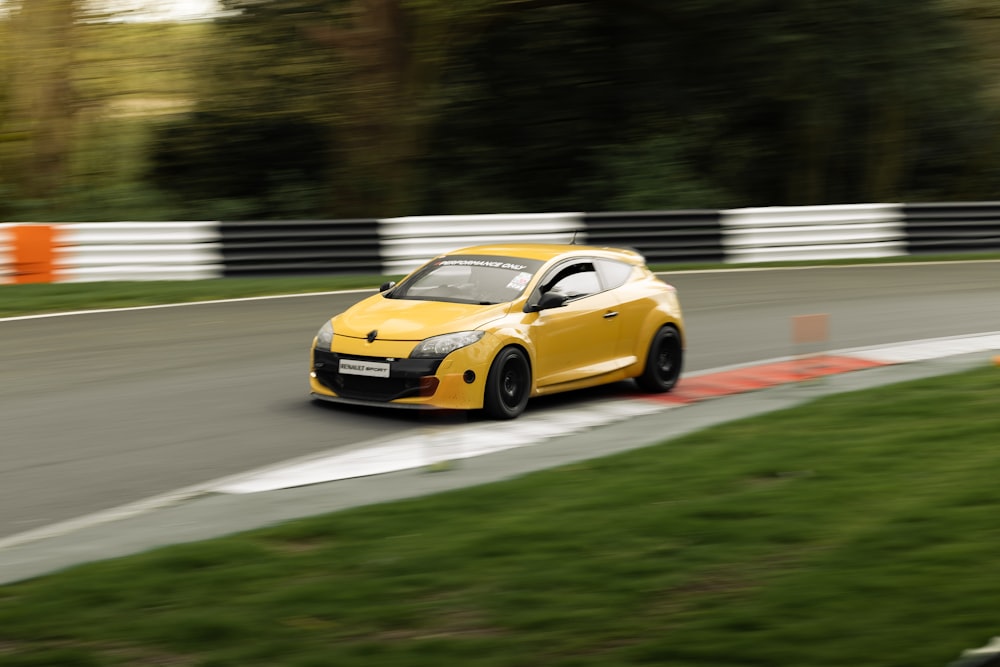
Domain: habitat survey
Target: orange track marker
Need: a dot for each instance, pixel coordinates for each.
(810, 329)
(34, 253)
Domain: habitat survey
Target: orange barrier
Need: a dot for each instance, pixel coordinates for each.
(34, 258)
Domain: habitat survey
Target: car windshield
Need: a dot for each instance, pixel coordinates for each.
(478, 279)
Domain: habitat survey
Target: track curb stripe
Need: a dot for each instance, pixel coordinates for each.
(430, 448)
(764, 376)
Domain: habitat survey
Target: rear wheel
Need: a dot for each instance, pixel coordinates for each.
(664, 361)
(508, 384)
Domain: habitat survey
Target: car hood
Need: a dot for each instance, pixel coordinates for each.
(411, 320)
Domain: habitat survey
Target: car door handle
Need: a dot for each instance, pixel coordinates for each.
(611, 313)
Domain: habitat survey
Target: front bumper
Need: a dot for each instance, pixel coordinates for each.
(408, 377)
(456, 382)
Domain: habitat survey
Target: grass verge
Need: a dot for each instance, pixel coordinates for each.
(60, 297)
(857, 530)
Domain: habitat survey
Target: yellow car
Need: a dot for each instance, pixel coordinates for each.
(488, 327)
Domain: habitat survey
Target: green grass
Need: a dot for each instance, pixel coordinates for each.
(48, 298)
(857, 530)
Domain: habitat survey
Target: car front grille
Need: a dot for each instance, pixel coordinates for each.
(404, 377)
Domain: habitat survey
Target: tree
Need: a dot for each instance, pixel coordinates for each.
(36, 120)
(764, 102)
(270, 167)
(366, 70)
(436, 106)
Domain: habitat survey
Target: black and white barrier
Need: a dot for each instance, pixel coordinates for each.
(809, 233)
(79, 252)
(409, 241)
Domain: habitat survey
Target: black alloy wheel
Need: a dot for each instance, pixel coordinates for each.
(508, 384)
(664, 361)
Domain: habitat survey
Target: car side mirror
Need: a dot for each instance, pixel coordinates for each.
(386, 286)
(548, 300)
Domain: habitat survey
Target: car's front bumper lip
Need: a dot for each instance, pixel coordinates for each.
(373, 404)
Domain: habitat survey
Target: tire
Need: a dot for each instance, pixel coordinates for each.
(508, 384)
(663, 362)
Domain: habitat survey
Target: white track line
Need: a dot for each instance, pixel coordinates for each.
(923, 350)
(98, 311)
(432, 446)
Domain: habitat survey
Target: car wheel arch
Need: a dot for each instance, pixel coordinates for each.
(510, 337)
(656, 318)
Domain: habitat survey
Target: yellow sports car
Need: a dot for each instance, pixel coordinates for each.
(489, 327)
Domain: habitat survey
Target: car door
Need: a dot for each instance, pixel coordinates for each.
(580, 338)
(632, 306)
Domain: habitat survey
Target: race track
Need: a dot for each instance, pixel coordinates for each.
(102, 409)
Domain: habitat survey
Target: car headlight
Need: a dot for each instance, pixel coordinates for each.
(324, 338)
(438, 347)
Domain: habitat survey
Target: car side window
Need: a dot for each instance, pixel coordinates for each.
(613, 274)
(573, 281)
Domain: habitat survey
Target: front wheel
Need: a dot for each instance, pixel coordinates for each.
(508, 384)
(663, 363)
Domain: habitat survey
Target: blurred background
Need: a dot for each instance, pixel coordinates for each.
(283, 109)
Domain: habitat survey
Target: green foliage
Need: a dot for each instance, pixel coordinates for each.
(528, 111)
(125, 76)
(249, 167)
(344, 108)
(659, 174)
(36, 117)
(757, 103)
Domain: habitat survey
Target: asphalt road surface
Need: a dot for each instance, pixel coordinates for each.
(98, 410)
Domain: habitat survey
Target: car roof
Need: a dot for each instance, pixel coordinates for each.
(549, 251)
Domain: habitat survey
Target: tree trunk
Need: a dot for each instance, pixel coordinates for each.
(38, 124)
